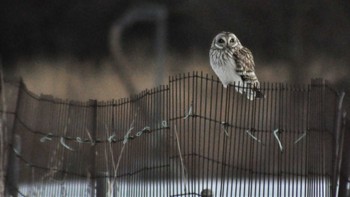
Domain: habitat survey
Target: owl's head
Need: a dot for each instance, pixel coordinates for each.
(226, 40)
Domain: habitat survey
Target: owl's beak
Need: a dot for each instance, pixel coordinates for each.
(227, 47)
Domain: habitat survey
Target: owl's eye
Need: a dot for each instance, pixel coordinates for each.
(232, 40)
(221, 40)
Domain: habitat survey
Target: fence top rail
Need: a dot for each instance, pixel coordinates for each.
(315, 82)
(264, 85)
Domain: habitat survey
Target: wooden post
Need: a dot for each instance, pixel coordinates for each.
(101, 187)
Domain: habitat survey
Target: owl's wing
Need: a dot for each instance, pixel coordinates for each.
(245, 64)
(245, 68)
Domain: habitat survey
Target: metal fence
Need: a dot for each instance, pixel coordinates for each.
(191, 137)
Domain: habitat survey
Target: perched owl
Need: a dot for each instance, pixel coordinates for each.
(234, 64)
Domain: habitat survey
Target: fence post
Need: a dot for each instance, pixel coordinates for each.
(344, 187)
(344, 183)
(338, 143)
(101, 185)
(12, 171)
(92, 170)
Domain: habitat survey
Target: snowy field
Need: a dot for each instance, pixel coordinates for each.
(241, 188)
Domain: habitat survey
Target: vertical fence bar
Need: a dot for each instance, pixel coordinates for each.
(92, 169)
(305, 166)
(321, 141)
(220, 144)
(337, 143)
(282, 136)
(13, 177)
(165, 123)
(185, 105)
(344, 182)
(101, 124)
(217, 133)
(186, 135)
(227, 143)
(205, 132)
(264, 119)
(11, 186)
(199, 172)
(167, 138)
(210, 170)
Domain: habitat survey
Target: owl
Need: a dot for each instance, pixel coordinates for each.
(234, 64)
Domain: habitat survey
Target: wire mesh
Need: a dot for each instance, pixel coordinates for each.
(181, 139)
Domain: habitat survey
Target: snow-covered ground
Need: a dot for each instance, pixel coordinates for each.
(268, 187)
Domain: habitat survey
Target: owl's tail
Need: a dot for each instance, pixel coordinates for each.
(258, 93)
(253, 92)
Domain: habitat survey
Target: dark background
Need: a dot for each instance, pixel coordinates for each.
(292, 41)
(62, 47)
(307, 39)
(274, 29)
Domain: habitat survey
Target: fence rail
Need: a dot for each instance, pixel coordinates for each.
(177, 140)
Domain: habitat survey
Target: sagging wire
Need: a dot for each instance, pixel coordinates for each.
(110, 139)
(277, 138)
(127, 137)
(50, 136)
